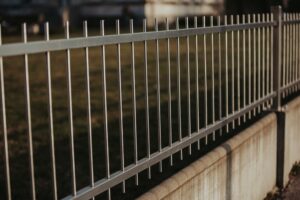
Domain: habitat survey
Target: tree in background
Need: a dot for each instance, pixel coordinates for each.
(253, 6)
(294, 6)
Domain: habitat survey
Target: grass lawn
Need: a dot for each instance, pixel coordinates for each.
(16, 109)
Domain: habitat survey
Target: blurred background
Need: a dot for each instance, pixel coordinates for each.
(57, 12)
(35, 13)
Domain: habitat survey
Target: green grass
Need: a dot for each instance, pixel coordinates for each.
(16, 113)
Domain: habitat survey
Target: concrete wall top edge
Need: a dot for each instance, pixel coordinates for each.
(176, 181)
(293, 104)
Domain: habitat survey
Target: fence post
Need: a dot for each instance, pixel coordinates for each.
(277, 71)
(277, 42)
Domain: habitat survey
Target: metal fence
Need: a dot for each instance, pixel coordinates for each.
(224, 74)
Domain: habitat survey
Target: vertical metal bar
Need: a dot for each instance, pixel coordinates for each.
(134, 101)
(294, 50)
(254, 64)
(277, 12)
(226, 71)
(238, 70)
(89, 113)
(147, 95)
(287, 52)
(284, 62)
(188, 83)
(249, 65)
(28, 110)
(212, 77)
(205, 77)
(263, 59)
(297, 54)
(121, 126)
(50, 110)
(244, 66)
(259, 62)
(272, 59)
(169, 93)
(179, 88)
(220, 73)
(297, 50)
(70, 106)
(290, 52)
(268, 59)
(232, 72)
(197, 81)
(106, 139)
(298, 44)
(4, 126)
(158, 94)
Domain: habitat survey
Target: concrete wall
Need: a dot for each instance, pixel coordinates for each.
(242, 168)
(292, 137)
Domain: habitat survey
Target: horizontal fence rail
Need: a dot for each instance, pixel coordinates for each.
(62, 44)
(99, 110)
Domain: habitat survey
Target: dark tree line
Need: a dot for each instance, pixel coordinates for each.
(294, 6)
(259, 6)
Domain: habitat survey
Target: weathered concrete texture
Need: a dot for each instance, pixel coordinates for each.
(292, 137)
(242, 168)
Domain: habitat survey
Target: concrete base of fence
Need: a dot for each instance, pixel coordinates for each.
(245, 167)
(292, 137)
(242, 168)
